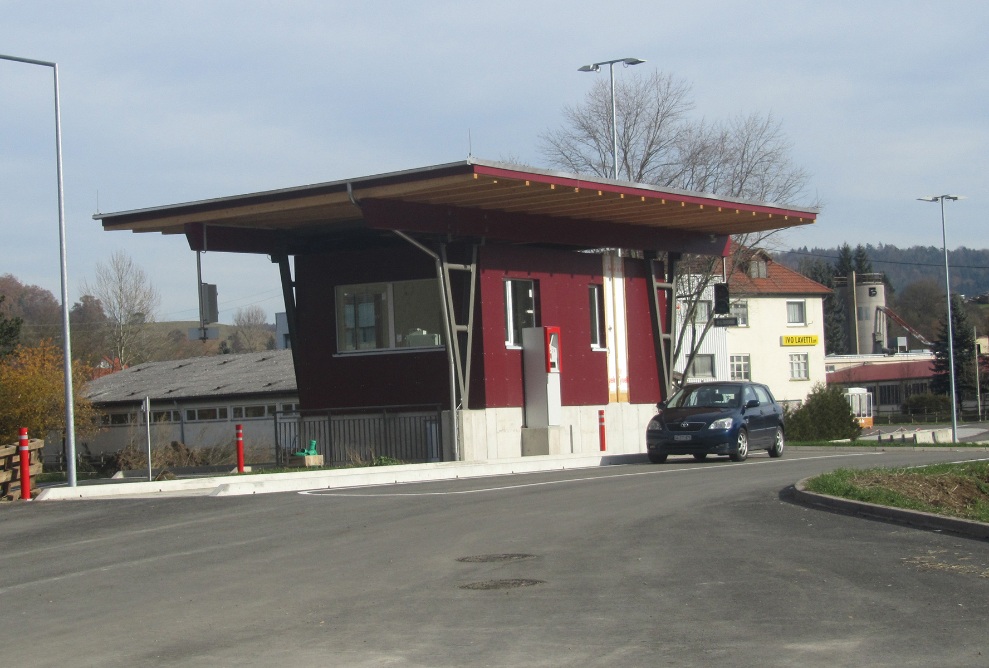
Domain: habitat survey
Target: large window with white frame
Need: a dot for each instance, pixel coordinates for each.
(739, 367)
(520, 309)
(386, 316)
(799, 369)
(796, 312)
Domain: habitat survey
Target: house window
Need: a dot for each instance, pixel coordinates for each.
(740, 367)
(889, 394)
(192, 414)
(595, 295)
(758, 269)
(740, 310)
(520, 309)
(795, 313)
(702, 367)
(382, 316)
(165, 416)
(798, 367)
(702, 311)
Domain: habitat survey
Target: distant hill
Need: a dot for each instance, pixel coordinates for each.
(903, 266)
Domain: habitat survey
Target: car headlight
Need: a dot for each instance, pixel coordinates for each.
(723, 423)
(654, 425)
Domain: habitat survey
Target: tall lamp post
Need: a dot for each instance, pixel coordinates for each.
(596, 67)
(951, 334)
(70, 424)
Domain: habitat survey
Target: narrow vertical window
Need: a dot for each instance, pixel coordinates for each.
(595, 294)
(799, 367)
(520, 309)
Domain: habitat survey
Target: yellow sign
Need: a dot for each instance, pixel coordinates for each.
(805, 340)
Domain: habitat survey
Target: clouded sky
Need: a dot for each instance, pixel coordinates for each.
(168, 102)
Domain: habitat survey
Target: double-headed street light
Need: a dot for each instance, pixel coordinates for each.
(596, 67)
(951, 335)
(70, 430)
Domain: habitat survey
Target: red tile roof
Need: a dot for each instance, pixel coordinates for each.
(779, 280)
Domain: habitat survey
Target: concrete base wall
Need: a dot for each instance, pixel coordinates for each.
(497, 433)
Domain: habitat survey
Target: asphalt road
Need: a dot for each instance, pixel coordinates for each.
(684, 564)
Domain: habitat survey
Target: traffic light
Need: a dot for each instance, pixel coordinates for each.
(721, 302)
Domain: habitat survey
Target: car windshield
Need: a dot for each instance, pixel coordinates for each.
(707, 396)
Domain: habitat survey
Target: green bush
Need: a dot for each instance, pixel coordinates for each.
(824, 415)
(927, 403)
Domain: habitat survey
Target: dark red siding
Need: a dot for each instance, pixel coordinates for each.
(643, 376)
(328, 380)
(563, 279)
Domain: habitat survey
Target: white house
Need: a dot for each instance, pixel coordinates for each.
(779, 336)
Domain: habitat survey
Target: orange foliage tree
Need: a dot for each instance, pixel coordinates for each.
(32, 393)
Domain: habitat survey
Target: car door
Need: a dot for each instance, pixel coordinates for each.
(768, 419)
(753, 416)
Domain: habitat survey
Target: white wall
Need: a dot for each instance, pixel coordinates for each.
(769, 359)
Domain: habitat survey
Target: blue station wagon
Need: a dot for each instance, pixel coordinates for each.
(723, 418)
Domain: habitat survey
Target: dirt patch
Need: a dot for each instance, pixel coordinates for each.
(949, 493)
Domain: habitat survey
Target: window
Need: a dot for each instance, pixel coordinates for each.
(520, 309)
(740, 310)
(798, 366)
(595, 295)
(740, 367)
(889, 394)
(795, 313)
(382, 316)
(703, 312)
(758, 269)
(165, 416)
(206, 413)
(702, 367)
(122, 418)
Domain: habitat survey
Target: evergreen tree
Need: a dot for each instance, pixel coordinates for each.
(845, 264)
(861, 260)
(964, 348)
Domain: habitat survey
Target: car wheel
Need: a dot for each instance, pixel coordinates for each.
(700, 456)
(778, 443)
(656, 458)
(742, 449)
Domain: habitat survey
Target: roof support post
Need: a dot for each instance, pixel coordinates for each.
(450, 354)
(288, 296)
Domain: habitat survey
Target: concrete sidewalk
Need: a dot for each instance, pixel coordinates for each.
(267, 483)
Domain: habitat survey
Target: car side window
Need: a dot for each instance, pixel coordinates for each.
(763, 395)
(748, 395)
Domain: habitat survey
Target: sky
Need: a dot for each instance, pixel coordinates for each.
(178, 101)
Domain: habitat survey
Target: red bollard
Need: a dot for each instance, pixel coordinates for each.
(240, 448)
(25, 454)
(601, 429)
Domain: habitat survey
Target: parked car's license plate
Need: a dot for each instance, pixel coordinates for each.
(682, 437)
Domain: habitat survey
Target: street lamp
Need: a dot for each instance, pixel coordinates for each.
(596, 67)
(70, 423)
(951, 335)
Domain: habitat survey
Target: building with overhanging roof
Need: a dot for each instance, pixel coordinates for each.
(417, 286)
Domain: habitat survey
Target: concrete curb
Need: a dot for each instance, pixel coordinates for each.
(268, 483)
(913, 518)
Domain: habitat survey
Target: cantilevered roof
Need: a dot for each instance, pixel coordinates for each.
(487, 198)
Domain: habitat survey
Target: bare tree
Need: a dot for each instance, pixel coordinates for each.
(659, 143)
(130, 303)
(253, 332)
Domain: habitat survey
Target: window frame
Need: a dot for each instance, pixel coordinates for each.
(798, 362)
(595, 298)
(740, 310)
(691, 371)
(386, 325)
(803, 313)
(513, 329)
(740, 366)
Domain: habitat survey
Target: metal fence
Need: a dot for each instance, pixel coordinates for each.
(362, 435)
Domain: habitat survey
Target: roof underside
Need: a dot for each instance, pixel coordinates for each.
(472, 198)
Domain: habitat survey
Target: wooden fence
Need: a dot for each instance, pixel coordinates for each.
(10, 467)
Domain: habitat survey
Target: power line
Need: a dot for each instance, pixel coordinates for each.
(895, 262)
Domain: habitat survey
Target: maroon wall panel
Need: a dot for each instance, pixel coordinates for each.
(328, 380)
(643, 377)
(563, 279)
